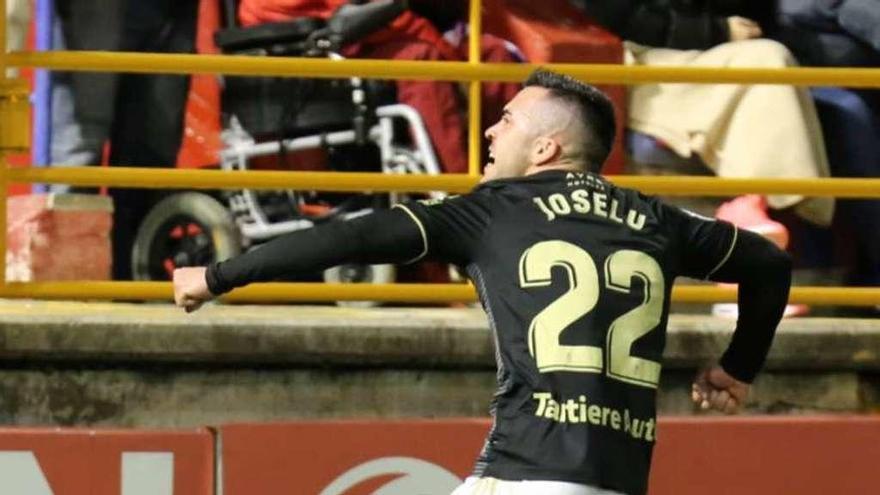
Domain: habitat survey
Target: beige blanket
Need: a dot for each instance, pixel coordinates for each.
(738, 130)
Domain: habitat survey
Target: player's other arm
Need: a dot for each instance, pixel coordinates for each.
(388, 236)
(763, 273)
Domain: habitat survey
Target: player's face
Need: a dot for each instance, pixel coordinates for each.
(512, 137)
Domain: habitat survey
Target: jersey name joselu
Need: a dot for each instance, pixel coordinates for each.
(586, 202)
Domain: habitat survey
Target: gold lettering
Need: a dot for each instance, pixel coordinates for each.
(559, 204)
(635, 220)
(613, 214)
(649, 430)
(595, 414)
(615, 419)
(600, 204)
(577, 411)
(542, 404)
(571, 407)
(581, 200)
(552, 411)
(540, 202)
(637, 428)
(605, 412)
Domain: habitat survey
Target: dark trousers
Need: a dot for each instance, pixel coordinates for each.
(140, 115)
(852, 138)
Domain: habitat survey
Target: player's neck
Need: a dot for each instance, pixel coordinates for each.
(564, 166)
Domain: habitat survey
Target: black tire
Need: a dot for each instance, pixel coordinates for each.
(354, 273)
(184, 229)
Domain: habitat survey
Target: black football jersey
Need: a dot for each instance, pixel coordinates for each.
(575, 275)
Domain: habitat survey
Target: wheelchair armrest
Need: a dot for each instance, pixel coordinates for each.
(353, 22)
(237, 39)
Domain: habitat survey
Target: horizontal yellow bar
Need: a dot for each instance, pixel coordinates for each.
(423, 70)
(715, 186)
(158, 178)
(435, 293)
(266, 292)
(815, 296)
(15, 110)
(14, 88)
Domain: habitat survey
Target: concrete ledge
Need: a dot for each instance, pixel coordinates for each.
(151, 365)
(243, 335)
(109, 333)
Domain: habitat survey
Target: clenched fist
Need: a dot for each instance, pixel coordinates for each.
(714, 388)
(191, 288)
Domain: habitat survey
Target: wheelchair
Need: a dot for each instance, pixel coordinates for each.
(354, 124)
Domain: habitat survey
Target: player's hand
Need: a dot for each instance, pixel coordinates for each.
(713, 388)
(191, 288)
(742, 28)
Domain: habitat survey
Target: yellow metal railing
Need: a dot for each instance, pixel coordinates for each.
(474, 95)
(473, 72)
(432, 293)
(3, 165)
(152, 178)
(240, 65)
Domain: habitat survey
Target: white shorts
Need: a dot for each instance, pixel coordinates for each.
(492, 486)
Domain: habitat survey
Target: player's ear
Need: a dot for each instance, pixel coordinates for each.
(544, 150)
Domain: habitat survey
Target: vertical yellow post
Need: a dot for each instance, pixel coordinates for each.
(474, 95)
(3, 190)
(3, 15)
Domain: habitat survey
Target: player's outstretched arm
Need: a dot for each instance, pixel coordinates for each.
(763, 273)
(388, 236)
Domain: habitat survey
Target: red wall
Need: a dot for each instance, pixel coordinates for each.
(818, 455)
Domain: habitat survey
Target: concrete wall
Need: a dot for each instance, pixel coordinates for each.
(152, 365)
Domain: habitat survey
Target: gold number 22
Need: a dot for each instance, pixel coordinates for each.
(535, 268)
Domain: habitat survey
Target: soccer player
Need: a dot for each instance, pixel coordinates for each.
(574, 274)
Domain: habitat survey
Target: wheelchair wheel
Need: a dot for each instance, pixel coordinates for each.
(355, 273)
(184, 229)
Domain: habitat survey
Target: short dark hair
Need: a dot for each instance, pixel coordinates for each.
(594, 107)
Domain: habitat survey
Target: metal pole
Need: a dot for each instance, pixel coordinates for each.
(3, 166)
(673, 185)
(3, 18)
(475, 93)
(3, 196)
(301, 292)
(422, 70)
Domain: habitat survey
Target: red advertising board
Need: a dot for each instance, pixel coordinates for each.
(106, 462)
(767, 455)
(349, 457)
(717, 455)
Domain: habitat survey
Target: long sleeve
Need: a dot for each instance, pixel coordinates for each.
(764, 275)
(718, 251)
(388, 236)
